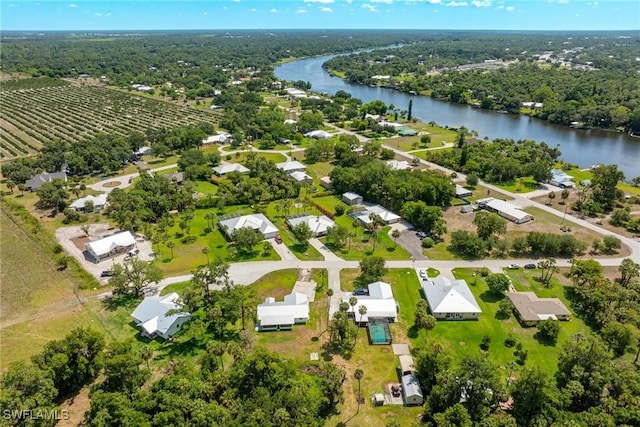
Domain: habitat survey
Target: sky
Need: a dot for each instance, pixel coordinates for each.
(90, 15)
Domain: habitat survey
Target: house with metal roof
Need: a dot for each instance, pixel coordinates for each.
(380, 303)
(257, 222)
(531, 309)
(99, 202)
(505, 210)
(301, 177)
(559, 178)
(111, 245)
(387, 217)
(153, 318)
(450, 299)
(406, 364)
(352, 198)
(222, 170)
(319, 225)
(318, 134)
(291, 166)
(462, 192)
(398, 165)
(36, 181)
(282, 315)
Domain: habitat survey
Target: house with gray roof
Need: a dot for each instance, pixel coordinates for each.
(291, 166)
(531, 309)
(411, 391)
(352, 198)
(154, 319)
(222, 170)
(36, 181)
(319, 225)
(450, 299)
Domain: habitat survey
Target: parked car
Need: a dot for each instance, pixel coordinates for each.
(421, 234)
(106, 273)
(361, 292)
(530, 266)
(133, 252)
(514, 266)
(278, 239)
(396, 391)
(423, 274)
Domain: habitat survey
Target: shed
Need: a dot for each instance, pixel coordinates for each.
(406, 364)
(411, 391)
(377, 399)
(325, 181)
(466, 209)
(462, 192)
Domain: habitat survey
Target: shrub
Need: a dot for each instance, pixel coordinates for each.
(472, 179)
(486, 340)
(510, 341)
(549, 330)
(339, 210)
(428, 242)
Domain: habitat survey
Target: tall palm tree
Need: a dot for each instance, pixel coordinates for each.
(206, 251)
(146, 353)
(171, 244)
(362, 310)
(395, 234)
(352, 302)
(358, 374)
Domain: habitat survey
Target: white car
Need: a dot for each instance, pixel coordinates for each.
(423, 274)
(514, 266)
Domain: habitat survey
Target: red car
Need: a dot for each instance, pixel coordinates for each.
(278, 239)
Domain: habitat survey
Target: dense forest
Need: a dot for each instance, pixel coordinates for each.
(588, 78)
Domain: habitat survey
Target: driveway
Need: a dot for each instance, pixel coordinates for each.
(412, 244)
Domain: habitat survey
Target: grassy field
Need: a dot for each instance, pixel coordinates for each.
(520, 185)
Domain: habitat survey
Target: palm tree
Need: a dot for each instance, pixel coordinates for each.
(395, 234)
(10, 185)
(206, 251)
(358, 374)
(355, 224)
(210, 217)
(171, 244)
(352, 302)
(551, 196)
(218, 349)
(146, 353)
(564, 196)
(362, 310)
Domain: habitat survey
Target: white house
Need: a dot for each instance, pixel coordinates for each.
(398, 165)
(222, 170)
(291, 166)
(318, 134)
(257, 222)
(379, 303)
(220, 137)
(325, 182)
(559, 178)
(385, 215)
(450, 299)
(352, 198)
(301, 177)
(462, 192)
(505, 210)
(152, 318)
(111, 245)
(282, 315)
(319, 225)
(411, 391)
(99, 202)
(143, 151)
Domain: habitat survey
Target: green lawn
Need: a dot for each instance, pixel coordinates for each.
(464, 337)
(276, 213)
(178, 288)
(407, 143)
(362, 246)
(520, 185)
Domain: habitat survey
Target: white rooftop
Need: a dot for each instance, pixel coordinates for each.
(398, 165)
(109, 243)
(319, 225)
(318, 134)
(215, 139)
(255, 221)
(502, 206)
(294, 306)
(291, 166)
(230, 167)
(99, 200)
(384, 214)
(300, 176)
(151, 313)
(379, 302)
(449, 296)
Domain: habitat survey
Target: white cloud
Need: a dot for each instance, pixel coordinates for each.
(481, 3)
(73, 5)
(369, 7)
(97, 14)
(108, 14)
(349, 1)
(382, 1)
(205, 13)
(319, 1)
(273, 10)
(326, 9)
(301, 10)
(236, 1)
(510, 8)
(457, 4)
(253, 9)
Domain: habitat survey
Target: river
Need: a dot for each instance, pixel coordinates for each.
(582, 147)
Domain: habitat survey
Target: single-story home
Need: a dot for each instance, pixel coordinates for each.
(143, 151)
(379, 303)
(111, 245)
(318, 134)
(291, 166)
(398, 164)
(290, 122)
(352, 199)
(282, 315)
(220, 137)
(466, 209)
(406, 364)
(222, 170)
(325, 182)
(319, 225)
(99, 202)
(177, 177)
(462, 192)
(152, 319)
(257, 222)
(559, 178)
(301, 177)
(36, 181)
(374, 117)
(450, 299)
(505, 210)
(411, 391)
(385, 215)
(531, 309)
(407, 131)
(296, 93)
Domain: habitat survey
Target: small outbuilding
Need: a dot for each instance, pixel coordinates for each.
(352, 199)
(462, 192)
(411, 391)
(406, 365)
(325, 182)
